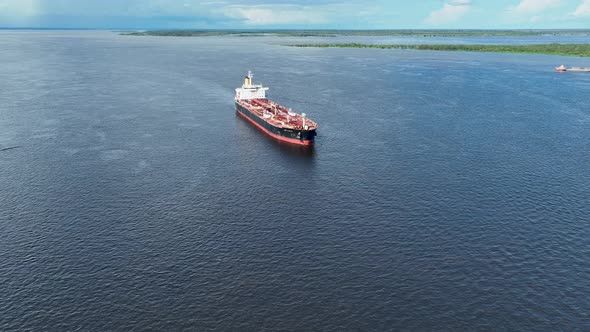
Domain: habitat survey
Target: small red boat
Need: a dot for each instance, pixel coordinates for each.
(561, 68)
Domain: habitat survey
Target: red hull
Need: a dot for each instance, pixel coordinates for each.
(278, 137)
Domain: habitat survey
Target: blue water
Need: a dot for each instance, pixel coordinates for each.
(447, 191)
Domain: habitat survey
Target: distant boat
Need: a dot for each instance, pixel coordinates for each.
(563, 68)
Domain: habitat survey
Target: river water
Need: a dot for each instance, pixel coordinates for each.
(446, 190)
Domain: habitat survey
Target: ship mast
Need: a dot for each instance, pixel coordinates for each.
(303, 115)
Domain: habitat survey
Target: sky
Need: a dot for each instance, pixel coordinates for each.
(296, 14)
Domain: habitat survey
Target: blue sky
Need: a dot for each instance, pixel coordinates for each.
(262, 14)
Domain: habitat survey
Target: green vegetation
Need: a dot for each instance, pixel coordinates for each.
(581, 50)
(336, 33)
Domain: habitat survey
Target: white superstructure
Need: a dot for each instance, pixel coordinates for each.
(249, 90)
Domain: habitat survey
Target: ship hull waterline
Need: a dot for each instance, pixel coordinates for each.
(299, 137)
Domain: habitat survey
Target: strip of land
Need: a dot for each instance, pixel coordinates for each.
(337, 33)
(579, 50)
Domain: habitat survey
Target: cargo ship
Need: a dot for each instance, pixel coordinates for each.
(271, 118)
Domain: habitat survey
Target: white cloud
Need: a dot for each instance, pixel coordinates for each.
(251, 12)
(451, 12)
(131, 8)
(224, 13)
(460, 2)
(583, 9)
(531, 11)
(274, 14)
(533, 6)
(19, 7)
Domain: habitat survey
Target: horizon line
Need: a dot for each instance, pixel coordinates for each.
(290, 29)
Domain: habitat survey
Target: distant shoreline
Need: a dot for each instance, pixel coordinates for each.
(578, 50)
(363, 33)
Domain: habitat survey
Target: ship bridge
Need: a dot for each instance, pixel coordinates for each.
(250, 91)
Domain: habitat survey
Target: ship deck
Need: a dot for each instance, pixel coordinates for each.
(276, 114)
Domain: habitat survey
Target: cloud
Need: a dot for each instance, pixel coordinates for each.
(244, 12)
(460, 2)
(583, 9)
(451, 11)
(274, 14)
(19, 7)
(147, 8)
(131, 8)
(304, 13)
(533, 6)
(531, 11)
